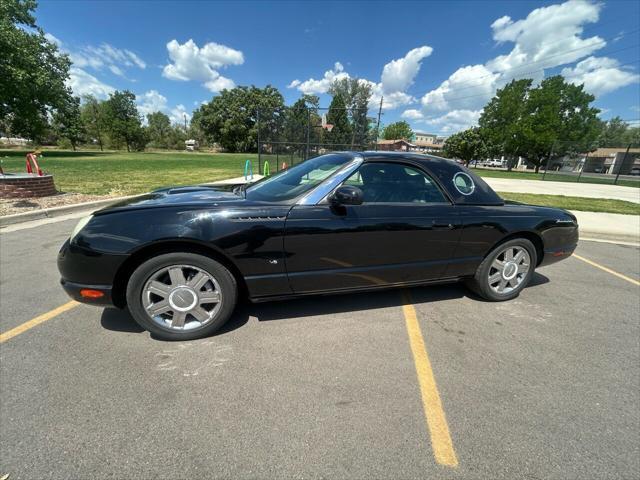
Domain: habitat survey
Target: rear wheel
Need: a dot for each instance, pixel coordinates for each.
(505, 271)
(181, 296)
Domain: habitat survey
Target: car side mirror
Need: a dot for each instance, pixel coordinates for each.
(347, 195)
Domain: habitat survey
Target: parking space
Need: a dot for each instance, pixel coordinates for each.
(544, 386)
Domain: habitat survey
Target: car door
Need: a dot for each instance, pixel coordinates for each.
(405, 231)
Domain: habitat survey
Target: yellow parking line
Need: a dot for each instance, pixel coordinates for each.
(608, 270)
(441, 442)
(37, 321)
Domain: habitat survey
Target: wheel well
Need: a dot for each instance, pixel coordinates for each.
(119, 292)
(532, 237)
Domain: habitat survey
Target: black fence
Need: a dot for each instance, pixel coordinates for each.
(287, 136)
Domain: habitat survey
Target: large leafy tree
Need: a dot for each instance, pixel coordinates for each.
(356, 94)
(501, 119)
(32, 71)
(466, 145)
(92, 113)
(341, 135)
(617, 133)
(559, 121)
(67, 122)
(123, 120)
(158, 129)
(555, 118)
(302, 115)
(231, 118)
(397, 130)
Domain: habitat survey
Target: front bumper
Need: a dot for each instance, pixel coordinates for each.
(84, 269)
(79, 293)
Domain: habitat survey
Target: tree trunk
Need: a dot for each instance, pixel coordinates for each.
(537, 167)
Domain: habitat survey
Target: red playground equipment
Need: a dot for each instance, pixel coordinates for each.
(32, 163)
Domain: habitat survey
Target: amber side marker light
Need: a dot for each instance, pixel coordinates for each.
(89, 293)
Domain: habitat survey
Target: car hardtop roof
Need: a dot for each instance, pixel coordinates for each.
(446, 170)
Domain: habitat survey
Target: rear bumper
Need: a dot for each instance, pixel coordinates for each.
(86, 293)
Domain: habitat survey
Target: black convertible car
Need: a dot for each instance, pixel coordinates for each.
(178, 258)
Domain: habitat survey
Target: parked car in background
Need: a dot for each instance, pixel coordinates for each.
(179, 258)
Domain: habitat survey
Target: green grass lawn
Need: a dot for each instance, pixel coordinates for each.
(553, 177)
(121, 173)
(575, 203)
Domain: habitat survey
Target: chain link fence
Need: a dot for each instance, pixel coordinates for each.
(289, 135)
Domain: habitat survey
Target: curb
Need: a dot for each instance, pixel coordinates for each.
(58, 211)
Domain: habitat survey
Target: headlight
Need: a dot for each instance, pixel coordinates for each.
(81, 224)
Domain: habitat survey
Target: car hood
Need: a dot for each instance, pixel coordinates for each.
(196, 195)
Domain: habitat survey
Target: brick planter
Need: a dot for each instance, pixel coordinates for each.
(26, 185)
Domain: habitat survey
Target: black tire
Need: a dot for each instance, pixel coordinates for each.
(479, 283)
(140, 276)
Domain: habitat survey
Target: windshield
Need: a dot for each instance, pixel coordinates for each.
(296, 181)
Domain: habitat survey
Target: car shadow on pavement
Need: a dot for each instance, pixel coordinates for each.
(118, 320)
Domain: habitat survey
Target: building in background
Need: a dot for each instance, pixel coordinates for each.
(400, 145)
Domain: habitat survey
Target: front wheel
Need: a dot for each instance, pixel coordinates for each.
(505, 271)
(181, 296)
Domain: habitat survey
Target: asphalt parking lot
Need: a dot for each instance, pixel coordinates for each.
(544, 386)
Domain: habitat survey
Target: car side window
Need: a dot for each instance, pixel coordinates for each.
(395, 183)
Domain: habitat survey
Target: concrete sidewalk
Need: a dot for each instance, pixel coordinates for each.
(609, 226)
(589, 190)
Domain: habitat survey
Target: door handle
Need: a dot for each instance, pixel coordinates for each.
(441, 226)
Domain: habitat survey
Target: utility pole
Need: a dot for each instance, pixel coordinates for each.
(624, 159)
(378, 126)
(185, 122)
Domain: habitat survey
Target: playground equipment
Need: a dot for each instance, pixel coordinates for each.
(248, 170)
(327, 126)
(266, 171)
(32, 163)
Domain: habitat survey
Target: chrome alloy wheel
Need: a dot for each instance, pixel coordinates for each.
(509, 269)
(181, 297)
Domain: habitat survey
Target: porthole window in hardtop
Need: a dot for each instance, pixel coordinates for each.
(463, 183)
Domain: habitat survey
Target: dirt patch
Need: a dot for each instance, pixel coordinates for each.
(9, 206)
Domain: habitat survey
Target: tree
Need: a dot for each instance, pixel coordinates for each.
(231, 118)
(123, 120)
(299, 118)
(466, 145)
(67, 122)
(356, 94)
(554, 118)
(617, 133)
(92, 113)
(159, 129)
(32, 71)
(559, 121)
(397, 130)
(340, 136)
(500, 121)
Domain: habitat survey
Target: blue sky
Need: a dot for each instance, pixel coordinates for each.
(435, 63)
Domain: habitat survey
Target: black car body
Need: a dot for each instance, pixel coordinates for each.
(308, 244)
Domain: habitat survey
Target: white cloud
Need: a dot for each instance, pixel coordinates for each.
(548, 37)
(82, 83)
(412, 114)
(190, 62)
(399, 74)
(455, 120)
(600, 75)
(53, 39)
(153, 101)
(105, 56)
(455, 92)
(313, 86)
